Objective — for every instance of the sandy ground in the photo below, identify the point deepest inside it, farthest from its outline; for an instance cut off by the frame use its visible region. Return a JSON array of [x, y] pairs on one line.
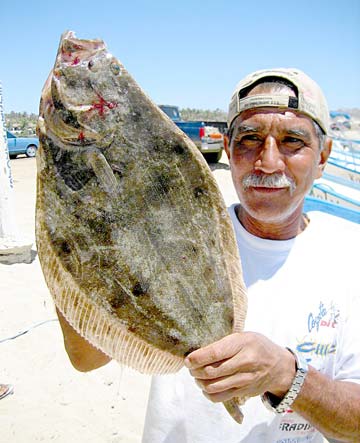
[[51, 400]]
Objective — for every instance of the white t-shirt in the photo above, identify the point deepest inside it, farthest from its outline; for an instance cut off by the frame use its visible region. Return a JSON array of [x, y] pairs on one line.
[[303, 293]]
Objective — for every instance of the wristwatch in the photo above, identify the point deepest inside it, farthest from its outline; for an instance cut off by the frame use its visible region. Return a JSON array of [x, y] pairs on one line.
[[280, 406]]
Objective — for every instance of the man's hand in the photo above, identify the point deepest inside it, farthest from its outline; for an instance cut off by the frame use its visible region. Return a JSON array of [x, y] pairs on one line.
[[242, 365]]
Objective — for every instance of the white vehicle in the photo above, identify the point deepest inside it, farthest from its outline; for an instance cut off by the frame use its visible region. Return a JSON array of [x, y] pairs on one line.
[[212, 144]]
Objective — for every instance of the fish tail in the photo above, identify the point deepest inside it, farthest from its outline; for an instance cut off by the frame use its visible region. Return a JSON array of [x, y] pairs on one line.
[[233, 408]]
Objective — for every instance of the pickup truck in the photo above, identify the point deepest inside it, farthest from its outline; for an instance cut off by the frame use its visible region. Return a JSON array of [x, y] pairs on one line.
[[21, 145], [207, 138]]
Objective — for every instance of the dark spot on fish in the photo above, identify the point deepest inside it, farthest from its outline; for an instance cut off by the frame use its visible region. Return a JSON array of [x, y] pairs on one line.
[[158, 186], [70, 118], [100, 226], [74, 179], [64, 246], [136, 116], [70, 168], [64, 251], [179, 149], [199, 192], [174, 340], [164, 182], [167, 146], [118, 300], [131, 328], [58, 105], [140, 289]]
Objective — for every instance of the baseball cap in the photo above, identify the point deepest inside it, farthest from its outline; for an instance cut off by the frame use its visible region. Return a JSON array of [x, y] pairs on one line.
[[309, 100]]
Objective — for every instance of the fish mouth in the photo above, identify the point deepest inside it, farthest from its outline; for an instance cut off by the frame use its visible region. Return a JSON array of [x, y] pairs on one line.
[[72, 49], [68, 113]]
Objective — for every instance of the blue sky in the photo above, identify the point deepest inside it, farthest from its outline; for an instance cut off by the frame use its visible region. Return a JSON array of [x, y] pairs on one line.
[[188, 53]]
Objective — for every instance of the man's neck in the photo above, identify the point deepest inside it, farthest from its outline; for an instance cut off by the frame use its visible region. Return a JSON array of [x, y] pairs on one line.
[[282, 230]]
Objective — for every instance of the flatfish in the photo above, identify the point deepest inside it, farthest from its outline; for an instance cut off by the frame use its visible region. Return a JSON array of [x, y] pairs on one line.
[[133, 236]]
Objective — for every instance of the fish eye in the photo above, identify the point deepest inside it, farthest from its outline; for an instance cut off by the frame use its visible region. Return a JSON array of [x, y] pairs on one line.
[[90, 64], [115, 68]]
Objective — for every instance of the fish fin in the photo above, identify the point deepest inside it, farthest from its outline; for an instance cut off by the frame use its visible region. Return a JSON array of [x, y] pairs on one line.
[[98, 163], [233, 408]]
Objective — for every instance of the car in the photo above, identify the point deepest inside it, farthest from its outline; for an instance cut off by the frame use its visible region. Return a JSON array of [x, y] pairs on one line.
[[212, 144], [208, 139], [21, 145]]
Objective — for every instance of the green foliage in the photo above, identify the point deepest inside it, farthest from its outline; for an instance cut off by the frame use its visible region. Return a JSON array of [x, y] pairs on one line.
[[21, 124]]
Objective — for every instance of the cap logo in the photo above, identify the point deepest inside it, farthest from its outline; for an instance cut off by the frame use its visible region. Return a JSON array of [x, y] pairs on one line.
[[258, 101]]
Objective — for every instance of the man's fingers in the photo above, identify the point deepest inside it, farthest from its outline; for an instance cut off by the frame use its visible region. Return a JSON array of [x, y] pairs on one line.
[[222, 368], [208, 372], [214, 353], [216, 386]]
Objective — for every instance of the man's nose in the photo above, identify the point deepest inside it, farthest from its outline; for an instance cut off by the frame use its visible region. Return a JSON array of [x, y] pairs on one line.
[[270, 158]]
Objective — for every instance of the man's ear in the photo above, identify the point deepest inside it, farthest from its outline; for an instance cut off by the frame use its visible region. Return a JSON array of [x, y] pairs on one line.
[[324, 155], [227, 146]]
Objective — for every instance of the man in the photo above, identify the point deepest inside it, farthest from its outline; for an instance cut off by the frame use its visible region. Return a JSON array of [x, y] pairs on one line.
[[301, 349], [298, 360]]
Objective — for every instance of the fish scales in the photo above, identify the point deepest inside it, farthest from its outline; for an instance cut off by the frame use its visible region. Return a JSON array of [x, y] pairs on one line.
[[134, 239]]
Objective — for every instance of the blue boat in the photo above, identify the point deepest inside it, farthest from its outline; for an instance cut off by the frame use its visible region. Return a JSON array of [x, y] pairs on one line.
[[338, 190], [316, 204]]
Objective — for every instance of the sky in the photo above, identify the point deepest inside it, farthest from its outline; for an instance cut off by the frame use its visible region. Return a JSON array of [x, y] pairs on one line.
[[188, 53]]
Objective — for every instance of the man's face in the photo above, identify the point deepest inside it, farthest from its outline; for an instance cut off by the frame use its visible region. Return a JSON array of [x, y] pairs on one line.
[[269, 141]]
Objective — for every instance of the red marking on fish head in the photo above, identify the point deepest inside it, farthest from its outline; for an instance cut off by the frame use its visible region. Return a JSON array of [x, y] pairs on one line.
[[102, 104], [81, 137]]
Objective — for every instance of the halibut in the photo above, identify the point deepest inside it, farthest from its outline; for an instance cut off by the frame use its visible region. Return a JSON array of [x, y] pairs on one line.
[[133, 236]]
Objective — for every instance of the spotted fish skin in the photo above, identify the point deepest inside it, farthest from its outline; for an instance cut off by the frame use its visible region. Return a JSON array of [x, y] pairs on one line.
[[133, 236]]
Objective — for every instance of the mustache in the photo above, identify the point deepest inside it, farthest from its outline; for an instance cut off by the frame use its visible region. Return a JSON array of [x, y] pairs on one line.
[[276, 180]]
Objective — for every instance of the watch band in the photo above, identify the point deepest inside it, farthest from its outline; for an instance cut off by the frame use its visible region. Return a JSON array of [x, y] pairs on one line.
[[295, 388]]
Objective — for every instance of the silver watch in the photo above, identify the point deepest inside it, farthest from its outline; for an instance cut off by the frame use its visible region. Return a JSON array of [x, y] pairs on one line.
[[269, 400]]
